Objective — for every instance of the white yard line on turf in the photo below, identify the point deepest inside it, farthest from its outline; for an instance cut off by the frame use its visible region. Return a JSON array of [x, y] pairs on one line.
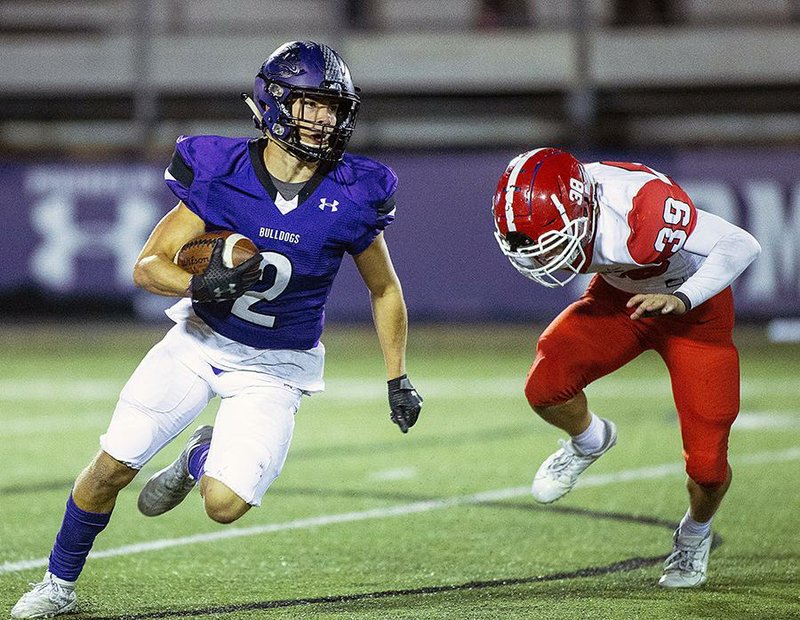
[[646, 473], [98, 419], [25, 389], [367, 388], [55, 423]]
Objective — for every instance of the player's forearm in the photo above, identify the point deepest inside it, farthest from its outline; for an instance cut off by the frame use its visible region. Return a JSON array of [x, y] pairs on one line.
[[391, 324], [729, 257], [161, 277]]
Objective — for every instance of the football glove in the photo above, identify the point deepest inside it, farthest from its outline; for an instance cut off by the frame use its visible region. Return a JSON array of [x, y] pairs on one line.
[[221, 283], [405, 403]]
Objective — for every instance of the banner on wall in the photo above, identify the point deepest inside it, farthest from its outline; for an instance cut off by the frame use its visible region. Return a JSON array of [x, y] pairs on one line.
[[73, 232]]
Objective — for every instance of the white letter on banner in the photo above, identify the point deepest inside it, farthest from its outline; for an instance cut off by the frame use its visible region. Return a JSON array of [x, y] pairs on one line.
[[53, 216], [713, 197], [778, 231]]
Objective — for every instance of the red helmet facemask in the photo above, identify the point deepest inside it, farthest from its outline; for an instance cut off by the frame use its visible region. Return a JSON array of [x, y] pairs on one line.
[[544, 215]]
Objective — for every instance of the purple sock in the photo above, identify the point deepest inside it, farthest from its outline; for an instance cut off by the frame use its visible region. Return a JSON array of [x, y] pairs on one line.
[[74, 540], [197, 460]]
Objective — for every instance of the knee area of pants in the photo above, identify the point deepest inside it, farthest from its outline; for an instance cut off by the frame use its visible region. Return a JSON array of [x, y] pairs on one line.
[[542, 393], [533, 391], [710, 484], [245, 479], [707, 475], [130, 435]]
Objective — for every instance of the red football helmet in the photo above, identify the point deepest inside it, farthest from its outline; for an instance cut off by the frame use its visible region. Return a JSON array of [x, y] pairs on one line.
[[544, 215]]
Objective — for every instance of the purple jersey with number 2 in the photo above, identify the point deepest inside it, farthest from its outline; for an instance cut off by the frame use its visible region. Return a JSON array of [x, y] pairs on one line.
[[341, 209]]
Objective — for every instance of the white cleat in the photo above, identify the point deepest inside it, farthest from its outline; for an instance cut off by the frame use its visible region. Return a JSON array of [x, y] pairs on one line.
[[50, 597], [687, 565], [170, 486], [559, 473]]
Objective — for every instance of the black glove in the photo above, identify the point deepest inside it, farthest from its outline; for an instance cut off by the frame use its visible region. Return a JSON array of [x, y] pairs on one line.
[[221, 283], [404, 402]]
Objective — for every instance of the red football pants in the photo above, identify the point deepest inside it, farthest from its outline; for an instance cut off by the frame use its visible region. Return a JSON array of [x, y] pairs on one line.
[[595, 335]]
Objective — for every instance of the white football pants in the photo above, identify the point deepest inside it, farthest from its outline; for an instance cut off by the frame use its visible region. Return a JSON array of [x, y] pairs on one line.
[[168, 391]]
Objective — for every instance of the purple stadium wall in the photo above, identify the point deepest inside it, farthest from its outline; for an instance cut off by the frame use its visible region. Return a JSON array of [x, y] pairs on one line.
[[74, 230]]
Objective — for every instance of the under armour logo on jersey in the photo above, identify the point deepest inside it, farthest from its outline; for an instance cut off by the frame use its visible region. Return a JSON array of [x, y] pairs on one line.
[[334, 204]]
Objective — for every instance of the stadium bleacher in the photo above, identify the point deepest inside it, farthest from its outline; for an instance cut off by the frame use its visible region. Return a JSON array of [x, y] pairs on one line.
[[118, 75]]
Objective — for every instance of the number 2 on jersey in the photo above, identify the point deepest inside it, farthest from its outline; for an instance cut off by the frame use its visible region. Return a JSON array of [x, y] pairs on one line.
[[676, 213], [283, 272]]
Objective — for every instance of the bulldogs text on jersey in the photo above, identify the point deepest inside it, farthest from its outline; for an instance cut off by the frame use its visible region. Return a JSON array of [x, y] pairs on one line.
[[341, 209]]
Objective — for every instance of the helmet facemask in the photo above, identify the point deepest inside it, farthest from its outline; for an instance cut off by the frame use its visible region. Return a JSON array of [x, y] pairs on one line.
[[554, 259], [309, 140], [556, 256]]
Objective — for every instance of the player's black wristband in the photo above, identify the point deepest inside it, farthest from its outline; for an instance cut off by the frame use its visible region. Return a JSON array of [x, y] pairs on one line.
[[399, 383], [684, 299]]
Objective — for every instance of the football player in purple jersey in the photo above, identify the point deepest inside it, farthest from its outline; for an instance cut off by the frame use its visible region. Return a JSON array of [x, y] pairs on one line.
[[250, 333]]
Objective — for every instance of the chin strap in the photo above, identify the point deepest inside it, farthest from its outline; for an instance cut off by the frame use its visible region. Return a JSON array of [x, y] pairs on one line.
[[258, 119]]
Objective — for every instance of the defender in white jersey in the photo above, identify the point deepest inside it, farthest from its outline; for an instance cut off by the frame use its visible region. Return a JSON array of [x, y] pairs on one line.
[[663, 273]]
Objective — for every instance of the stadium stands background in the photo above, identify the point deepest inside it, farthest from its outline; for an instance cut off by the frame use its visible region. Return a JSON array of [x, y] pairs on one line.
[[93, 94]]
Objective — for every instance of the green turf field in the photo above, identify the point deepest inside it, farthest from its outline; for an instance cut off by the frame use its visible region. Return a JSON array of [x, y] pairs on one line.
[[365, 522]]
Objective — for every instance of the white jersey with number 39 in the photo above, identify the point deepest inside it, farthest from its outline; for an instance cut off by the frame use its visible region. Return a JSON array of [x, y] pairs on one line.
[[644, 222]]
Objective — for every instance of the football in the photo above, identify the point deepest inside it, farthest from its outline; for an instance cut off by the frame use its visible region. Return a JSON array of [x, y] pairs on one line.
[[195, 254]]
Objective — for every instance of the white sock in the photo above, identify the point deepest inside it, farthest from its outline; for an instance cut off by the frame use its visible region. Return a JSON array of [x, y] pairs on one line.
[[690, 527], [591, 440]]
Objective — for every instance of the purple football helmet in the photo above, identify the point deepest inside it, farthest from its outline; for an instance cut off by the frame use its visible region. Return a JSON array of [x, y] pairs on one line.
[[295, 71]]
